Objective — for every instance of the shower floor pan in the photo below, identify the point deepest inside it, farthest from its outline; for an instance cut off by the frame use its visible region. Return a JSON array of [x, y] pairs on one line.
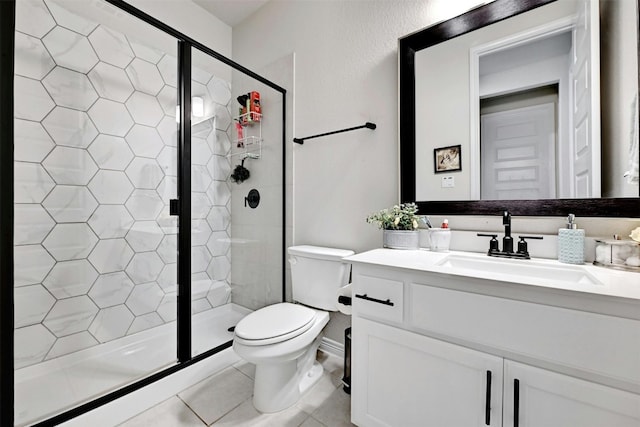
[[53, 386]]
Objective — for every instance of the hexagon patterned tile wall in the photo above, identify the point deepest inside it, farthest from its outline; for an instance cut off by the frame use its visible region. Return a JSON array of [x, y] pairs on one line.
[[70, 49], [32, 264], [31, 142], [111, 152], [68, 165], [70, 127], [70, 89], [35, 342], [95, 167], [31, 224], [111, 82], [70, 203], [33, 102], [36, 61]]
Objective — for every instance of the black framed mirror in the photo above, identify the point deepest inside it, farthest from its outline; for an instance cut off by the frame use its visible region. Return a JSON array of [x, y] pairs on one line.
[[475, 19]]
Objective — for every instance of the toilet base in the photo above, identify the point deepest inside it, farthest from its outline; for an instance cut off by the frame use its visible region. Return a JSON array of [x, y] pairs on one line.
[[278, 386], [311, 377]]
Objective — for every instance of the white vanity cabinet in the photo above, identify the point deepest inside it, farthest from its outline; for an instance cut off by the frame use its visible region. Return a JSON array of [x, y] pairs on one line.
[[405, 379], [430, 349], [546, 398]]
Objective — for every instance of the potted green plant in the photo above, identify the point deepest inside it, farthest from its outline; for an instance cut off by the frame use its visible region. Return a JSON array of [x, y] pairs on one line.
[[399, 225]]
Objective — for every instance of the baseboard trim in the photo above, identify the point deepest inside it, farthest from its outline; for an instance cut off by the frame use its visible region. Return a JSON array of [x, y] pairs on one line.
[[332, 347]]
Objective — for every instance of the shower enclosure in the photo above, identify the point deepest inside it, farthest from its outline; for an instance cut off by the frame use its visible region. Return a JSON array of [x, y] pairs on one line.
[[134, 250]]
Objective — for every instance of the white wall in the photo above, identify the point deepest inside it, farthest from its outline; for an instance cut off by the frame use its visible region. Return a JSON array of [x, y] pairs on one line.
[[346, 74], [193, 21]]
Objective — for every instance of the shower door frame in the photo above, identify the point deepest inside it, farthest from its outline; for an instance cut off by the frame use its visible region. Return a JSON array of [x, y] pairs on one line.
[[184, 356], [7, 38]]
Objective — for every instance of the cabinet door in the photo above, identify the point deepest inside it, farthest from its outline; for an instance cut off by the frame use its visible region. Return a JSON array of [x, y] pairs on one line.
[[404, 379], [535, 397]]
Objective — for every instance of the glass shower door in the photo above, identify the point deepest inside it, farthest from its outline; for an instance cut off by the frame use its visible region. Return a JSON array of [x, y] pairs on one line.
[[95, 167], [212, 312], [237, 199]]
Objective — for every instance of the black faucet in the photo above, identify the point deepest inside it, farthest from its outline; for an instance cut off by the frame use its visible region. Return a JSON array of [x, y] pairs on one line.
[[507, 242]]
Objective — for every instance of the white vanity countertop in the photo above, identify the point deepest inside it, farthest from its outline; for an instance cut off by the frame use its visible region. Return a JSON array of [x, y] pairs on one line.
[[602, 281]]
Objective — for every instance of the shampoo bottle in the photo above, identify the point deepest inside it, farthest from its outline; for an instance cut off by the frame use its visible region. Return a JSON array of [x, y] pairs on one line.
[[571, 243]]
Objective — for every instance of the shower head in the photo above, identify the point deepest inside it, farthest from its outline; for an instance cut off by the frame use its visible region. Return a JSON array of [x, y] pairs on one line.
[[251, 156]]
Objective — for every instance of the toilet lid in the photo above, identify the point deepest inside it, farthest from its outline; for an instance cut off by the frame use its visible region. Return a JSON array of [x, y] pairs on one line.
[[283, 320]]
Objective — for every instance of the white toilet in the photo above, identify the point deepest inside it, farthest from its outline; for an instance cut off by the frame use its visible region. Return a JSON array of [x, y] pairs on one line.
[[282, 339]]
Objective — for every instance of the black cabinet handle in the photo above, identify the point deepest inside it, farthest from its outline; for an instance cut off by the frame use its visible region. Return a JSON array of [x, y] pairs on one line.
[[516, 402], [487, 401], [379, 301]]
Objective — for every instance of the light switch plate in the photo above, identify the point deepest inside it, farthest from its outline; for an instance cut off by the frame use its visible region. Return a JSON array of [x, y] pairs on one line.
[[448, 181]]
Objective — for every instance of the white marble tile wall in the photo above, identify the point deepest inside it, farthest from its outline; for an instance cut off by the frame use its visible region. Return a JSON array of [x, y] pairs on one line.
[[96, 164]]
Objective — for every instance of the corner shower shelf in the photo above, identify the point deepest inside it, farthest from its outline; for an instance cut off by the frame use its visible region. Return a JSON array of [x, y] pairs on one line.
[[250, 145], [198, 120]]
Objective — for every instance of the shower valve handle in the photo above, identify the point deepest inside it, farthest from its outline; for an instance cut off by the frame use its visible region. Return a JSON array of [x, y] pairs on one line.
[[253, 199]]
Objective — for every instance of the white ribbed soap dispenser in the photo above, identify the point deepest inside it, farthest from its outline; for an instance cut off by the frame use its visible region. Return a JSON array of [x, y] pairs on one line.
[[571, 243]]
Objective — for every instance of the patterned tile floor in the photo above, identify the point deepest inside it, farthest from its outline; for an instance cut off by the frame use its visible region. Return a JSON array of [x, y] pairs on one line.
[[224, 400]]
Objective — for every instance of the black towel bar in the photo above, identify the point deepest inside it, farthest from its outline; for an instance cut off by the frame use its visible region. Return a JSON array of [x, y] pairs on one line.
[[367, 125]]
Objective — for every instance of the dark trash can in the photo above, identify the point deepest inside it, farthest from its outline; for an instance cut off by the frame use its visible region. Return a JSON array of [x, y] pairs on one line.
[[346, 378]]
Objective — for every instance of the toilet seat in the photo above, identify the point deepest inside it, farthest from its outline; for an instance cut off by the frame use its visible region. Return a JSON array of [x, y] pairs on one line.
[[275, 323]]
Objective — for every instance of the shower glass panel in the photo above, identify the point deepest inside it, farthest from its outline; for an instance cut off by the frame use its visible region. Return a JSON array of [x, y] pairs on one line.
[[95, 167], [236, 256]]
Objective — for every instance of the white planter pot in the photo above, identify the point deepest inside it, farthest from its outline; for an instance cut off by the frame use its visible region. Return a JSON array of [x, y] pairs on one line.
[[400, 239]]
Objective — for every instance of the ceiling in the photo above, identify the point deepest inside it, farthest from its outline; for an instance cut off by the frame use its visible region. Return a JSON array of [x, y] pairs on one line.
[[231, 12]]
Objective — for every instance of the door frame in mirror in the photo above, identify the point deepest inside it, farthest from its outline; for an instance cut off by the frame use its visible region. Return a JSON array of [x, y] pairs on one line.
[[465, 23]]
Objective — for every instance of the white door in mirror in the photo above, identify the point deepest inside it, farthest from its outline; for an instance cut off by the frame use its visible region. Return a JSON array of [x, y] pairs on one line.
[[518, 154]]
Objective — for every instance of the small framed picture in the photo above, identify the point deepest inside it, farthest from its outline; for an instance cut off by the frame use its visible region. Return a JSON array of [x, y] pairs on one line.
[[447, 159]]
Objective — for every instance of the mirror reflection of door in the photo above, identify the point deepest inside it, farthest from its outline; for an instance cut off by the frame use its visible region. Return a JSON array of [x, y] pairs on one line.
[[559, 57], [518, 153], [513, 84], [585, 79]]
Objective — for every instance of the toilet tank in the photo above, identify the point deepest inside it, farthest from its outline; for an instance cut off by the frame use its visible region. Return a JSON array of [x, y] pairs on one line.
[[316, 275]]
